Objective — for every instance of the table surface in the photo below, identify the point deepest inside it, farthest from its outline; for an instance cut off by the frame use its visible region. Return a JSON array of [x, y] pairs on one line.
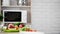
[[8, 33], [31, 32], [22, 33]]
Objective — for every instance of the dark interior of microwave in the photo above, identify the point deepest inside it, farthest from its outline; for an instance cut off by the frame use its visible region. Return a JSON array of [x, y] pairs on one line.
[[12, 16]]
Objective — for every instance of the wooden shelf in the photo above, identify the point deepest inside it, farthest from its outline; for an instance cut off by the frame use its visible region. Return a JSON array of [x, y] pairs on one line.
[[17, 6], [14, 22]]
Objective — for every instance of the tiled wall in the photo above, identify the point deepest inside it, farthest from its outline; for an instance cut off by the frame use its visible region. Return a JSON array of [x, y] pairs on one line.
[[46, 16]]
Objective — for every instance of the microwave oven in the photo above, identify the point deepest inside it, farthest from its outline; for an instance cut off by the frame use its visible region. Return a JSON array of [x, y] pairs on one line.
[[12, 16]]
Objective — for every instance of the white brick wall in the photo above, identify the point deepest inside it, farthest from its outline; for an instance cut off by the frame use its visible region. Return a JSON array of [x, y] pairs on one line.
[[46, 16]]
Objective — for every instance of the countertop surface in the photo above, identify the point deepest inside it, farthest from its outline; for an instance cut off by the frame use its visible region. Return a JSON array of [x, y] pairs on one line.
[[9, 33], [22, 33]]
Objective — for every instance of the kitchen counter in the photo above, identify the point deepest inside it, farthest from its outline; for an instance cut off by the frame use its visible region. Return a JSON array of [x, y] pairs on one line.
[[9, 33], [31, 32], [23, 33]]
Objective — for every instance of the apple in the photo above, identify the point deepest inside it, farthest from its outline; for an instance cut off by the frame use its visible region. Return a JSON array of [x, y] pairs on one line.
[[11, 26], [21, 25]]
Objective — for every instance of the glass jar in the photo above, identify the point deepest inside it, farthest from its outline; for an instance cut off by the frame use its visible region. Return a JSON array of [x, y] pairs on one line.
[[20, 3], [24, 2]]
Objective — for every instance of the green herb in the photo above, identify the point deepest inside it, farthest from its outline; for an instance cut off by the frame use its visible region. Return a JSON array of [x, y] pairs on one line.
[[1, 17]]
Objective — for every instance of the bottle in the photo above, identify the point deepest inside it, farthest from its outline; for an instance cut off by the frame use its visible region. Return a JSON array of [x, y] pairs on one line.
[[24, 2], [20, 3]]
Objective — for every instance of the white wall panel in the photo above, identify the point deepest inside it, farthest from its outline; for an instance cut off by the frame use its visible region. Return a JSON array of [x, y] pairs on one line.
[[46, 16]]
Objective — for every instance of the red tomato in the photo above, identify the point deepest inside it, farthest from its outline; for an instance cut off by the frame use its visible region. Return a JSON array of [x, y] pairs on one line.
[[21, 25]]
